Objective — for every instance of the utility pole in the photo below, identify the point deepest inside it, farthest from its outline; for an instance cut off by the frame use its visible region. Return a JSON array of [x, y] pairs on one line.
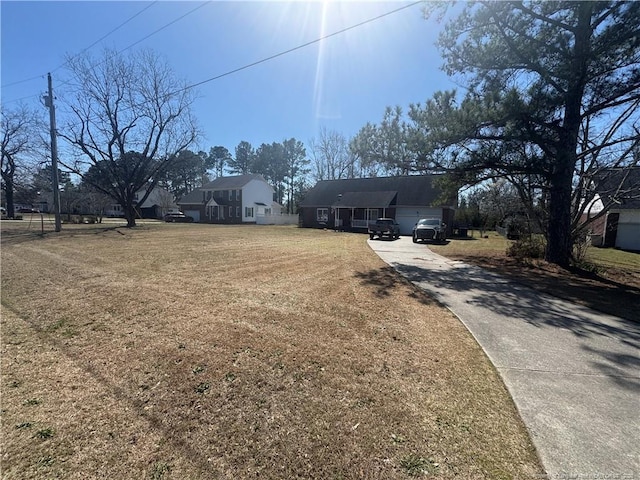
[[48, 101]]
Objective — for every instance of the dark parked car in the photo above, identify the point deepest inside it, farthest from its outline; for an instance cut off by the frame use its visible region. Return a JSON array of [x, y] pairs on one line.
[[28, 210], [177, 217], [430, 229], [384, 226]]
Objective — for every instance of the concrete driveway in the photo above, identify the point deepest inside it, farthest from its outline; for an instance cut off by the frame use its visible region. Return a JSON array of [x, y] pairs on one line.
[[573, 373]]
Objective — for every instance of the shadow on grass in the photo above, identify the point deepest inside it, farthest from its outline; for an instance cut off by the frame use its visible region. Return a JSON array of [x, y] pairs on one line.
[[583, 288], [156, 421], [499, 295], [17, 236], [464, 239], [386, 279]]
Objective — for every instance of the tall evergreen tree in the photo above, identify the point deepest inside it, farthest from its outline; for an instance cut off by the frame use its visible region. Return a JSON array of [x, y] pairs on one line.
[[244, 159], [553, 97]]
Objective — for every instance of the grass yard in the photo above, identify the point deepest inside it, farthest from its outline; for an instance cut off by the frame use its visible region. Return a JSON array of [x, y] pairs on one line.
[[186, 351], [613, 288]]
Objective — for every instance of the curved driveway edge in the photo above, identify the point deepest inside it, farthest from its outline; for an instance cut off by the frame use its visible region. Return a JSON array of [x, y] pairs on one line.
[[573, 373]]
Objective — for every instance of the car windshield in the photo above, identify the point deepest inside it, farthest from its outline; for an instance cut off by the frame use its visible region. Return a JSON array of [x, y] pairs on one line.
[[429, 221]]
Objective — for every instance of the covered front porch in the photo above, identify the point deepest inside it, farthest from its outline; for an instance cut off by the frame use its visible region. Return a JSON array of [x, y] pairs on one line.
[[355, 210], [214, 211]]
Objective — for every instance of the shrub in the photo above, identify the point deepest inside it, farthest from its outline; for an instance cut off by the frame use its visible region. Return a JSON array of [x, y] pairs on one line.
[[527, 248]]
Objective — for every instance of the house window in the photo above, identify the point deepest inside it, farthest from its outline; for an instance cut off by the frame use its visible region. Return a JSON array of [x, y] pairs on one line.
[[267, 211], [209, 195], [230, 212], [373, 213], [322, 214], [248, 212], [238, 212], [238, 194]]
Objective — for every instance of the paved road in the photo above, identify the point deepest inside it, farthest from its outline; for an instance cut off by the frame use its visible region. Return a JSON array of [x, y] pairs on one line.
[[573, 373]]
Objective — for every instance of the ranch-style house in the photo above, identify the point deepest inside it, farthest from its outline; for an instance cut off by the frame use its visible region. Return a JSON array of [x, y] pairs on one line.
[[350, 204]]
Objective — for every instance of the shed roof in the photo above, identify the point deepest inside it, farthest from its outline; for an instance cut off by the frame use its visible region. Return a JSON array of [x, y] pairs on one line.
[[412, 190]]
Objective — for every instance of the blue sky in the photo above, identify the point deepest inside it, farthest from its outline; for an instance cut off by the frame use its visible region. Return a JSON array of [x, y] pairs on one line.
[[340, 83]]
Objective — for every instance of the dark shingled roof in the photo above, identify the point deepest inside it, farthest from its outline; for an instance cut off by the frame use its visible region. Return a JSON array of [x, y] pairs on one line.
[[621, 186], [220, 183], [365, 199], [412, 190]]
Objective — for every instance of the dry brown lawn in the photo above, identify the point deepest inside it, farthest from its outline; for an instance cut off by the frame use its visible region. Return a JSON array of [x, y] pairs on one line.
[[614, 287], [192, 351]]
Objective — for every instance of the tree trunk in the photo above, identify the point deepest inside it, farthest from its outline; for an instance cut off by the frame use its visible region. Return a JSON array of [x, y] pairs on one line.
[[130, 215], [8, 193], [559, 241]]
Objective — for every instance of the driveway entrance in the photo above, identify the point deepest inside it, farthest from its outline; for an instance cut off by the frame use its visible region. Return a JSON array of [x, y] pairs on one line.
[[573, 373]]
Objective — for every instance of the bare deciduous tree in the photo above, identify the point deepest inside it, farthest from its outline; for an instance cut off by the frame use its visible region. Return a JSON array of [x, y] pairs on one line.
[[130, 116], [332, 158], [21, 130]]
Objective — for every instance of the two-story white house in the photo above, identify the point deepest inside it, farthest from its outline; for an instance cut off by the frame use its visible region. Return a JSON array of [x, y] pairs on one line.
[[235, 199]]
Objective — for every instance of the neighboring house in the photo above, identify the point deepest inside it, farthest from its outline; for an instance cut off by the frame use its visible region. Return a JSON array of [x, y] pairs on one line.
[[237, 199], [156, 205], [351, 204], [618, 192]]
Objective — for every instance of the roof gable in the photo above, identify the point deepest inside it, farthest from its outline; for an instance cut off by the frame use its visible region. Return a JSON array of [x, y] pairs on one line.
[[620, 187], [412, 190], [236, 182], [230, 183]]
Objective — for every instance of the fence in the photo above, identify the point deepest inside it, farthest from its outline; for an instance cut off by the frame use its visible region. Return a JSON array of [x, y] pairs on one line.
[[284, 219]]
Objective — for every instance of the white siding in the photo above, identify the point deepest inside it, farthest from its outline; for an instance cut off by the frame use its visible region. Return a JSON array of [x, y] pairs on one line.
[[407, 217], [255, 191], [628, 237]]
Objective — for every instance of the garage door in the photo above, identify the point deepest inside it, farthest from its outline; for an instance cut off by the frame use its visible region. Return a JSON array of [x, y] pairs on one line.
[[407, 218], [628, 237], [195, 214]]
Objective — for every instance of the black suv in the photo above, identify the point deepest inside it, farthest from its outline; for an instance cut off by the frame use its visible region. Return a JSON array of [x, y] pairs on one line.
[[430, 229]]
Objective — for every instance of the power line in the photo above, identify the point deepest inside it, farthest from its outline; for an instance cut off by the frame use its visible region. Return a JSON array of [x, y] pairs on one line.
[[285, 52], [144, 38], [318, 40], [106, 35], [271, 57], [85, 49], [164, 26]]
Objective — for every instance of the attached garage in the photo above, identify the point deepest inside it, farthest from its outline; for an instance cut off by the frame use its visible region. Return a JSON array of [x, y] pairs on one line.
[[618, 191], [408, 217], [351, 203], [195, 214], [628, 236]]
